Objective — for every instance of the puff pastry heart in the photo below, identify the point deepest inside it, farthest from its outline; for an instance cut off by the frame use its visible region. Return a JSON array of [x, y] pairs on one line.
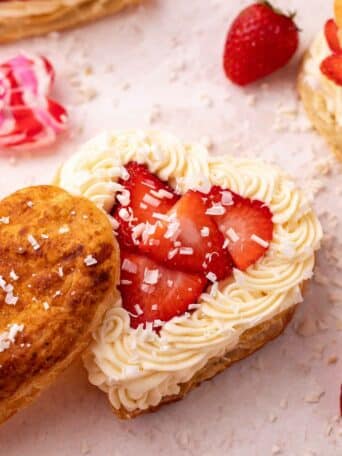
[[57, 277]]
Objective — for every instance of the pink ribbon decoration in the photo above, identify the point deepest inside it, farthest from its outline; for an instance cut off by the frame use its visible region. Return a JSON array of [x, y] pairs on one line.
[[29, 119]]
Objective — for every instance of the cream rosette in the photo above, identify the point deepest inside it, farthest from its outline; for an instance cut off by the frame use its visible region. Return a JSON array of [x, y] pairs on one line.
[[137, 367]]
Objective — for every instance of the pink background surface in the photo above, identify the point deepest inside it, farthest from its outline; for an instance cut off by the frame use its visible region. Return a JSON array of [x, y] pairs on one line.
[[160, 66]]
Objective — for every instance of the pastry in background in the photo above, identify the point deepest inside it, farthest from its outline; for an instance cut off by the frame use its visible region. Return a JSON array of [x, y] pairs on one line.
[[29, 118], [25, 18], [58, 276], [215, 252], [320, 82]]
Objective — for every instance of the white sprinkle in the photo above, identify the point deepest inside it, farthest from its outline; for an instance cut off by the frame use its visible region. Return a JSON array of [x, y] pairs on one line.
[[159, 216], [126, 282], [46, 305], [212, 277], [124, 214], [162, 193], [233, 236], [129, 266], [58, 293], [194, 306], [259, 241], [172, 229], [225, 243], [216, 209], [64, 229], [90, 260], [169, 283], [124, 174], [10, 299], [8, 337], [137, 231], [186, 251], [124, 197], [154, 307], [148, 199], [205, 231], [143, 206], [13, 275], [172, 253], [60, 272], [44, 236], [157, 323], [33, 241], [151, 276], [138, 309], [29, 203], [226, 198], [5, 220]]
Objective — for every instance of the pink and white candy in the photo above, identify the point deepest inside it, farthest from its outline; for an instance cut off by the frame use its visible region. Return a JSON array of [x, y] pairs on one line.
[[29, 119]]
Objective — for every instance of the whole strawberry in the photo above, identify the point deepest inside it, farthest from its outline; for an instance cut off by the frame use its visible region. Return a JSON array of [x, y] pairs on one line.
[[260, 40]]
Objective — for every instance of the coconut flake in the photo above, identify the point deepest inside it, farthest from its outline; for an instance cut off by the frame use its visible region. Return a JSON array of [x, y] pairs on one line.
[[138, 309], [90, 260], [46, 305], [216, 209], [233, 236], [8, 337], [10, 299], [212, 277], [186, 251], [260, 241], [129, 266], [151, 276], [226, 198], [33, 241], [205, 231], [162, 193], [172, 229], [149, 199], [172, 253], [124, 197], [5, 220], [13, 275], [64, 229]]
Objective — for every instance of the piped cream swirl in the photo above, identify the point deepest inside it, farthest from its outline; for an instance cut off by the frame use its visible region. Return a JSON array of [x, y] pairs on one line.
[[322, 86], [137, 368]]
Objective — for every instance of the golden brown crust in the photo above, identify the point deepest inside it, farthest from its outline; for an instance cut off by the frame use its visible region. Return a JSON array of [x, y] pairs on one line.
[[61, 298], [250, 341], [64, 18], [319, 115], [338, 12]]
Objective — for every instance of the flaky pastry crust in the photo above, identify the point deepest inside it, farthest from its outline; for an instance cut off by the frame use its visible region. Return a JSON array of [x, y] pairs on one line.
[[59, 254], [64, 17]]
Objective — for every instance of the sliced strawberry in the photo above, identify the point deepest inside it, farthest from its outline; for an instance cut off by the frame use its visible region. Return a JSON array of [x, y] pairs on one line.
[[189, 239], [148, 195], [152, 293], [248, 226], [331, 67], [331, 35]]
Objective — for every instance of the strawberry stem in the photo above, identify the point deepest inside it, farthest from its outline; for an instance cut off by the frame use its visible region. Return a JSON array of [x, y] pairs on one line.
[[290, 14]]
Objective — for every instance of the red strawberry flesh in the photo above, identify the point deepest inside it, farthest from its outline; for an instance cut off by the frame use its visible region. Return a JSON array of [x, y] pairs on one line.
[[331, 35], [331, 67], [153, 293], [189, 240], [147, 195], [248, 226]]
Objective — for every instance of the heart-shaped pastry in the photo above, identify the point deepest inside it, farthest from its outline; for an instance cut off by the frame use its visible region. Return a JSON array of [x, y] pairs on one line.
[[57, 277], [320, 81], [215, 252], [29, 118]]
